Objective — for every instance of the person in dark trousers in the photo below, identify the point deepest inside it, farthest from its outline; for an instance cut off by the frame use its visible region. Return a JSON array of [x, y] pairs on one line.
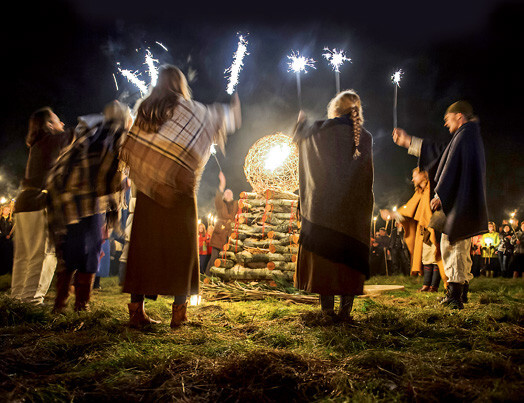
[[458, 171], [400, 260], [85, 187]]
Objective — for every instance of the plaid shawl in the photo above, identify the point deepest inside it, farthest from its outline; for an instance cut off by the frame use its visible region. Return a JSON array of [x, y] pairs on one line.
[[85, 179], [171, 161]]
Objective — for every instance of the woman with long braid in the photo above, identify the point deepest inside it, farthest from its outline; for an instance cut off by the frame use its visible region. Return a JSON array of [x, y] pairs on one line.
[[336, 203]]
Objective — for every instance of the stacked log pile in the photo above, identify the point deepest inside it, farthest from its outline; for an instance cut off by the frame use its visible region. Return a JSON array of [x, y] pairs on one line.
[[264, 241]]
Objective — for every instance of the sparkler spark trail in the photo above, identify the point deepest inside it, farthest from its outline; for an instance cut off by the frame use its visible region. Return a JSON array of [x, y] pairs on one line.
[[299, 63], [336, 58], [161, 45], [152, 69], [236, 67], [132, 77]]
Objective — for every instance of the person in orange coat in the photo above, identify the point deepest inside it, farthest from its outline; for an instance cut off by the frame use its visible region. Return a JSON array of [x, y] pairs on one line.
[[414, 217]]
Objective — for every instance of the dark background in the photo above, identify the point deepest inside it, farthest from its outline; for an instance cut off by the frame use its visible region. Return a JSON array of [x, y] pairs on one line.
[[64, 53]]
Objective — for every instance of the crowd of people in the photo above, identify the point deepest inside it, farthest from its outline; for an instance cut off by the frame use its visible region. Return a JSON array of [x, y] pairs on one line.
[[117, 194], [493, 254]]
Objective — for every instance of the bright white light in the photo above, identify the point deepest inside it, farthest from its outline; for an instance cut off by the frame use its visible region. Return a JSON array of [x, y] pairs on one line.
[[213, 149], [276, 156], [132, 77], [152, 69], [300, 63], [195, 300], [3, 200], [236, 67], [335, 58], [396, 77], [162, 46]]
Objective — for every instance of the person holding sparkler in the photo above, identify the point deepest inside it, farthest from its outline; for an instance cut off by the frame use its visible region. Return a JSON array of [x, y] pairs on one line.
[[457, 173], [33, 269], [226, 208], [421, 240], [336, 203], [85, 188], [166, 151]]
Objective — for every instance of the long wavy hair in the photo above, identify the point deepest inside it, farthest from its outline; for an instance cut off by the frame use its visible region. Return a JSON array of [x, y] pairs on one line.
[[159, 106], [38, 125], [344, 103]]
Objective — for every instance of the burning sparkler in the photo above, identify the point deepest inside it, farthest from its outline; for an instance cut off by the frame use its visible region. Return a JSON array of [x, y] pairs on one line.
[[236, 67], [396, 80], [214, 153], [134, 76], [298, 64], [152, 69], [336, 58]]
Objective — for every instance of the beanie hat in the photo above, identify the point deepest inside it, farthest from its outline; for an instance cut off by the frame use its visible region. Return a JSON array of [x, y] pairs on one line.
[[463, 107]]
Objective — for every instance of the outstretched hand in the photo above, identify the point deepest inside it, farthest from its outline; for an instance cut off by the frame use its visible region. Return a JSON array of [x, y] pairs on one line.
[[222, 179], [401, 138]]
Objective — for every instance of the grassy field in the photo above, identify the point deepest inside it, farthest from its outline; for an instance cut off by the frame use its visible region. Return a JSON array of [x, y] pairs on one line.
[[402, 347]]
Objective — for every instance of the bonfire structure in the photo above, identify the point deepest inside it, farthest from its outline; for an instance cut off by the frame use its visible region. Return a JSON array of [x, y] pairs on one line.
[[264, 241]]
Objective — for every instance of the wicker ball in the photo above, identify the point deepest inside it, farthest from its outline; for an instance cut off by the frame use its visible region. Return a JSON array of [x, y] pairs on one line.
[[272, 163]]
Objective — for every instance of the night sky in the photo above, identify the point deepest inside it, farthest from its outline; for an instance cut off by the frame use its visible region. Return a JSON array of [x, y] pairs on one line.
[[63, 54]]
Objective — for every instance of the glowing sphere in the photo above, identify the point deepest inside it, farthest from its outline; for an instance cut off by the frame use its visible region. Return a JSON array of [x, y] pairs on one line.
[[272, 163]]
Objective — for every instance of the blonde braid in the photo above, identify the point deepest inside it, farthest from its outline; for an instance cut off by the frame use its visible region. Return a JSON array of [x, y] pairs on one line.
[[357, 121]]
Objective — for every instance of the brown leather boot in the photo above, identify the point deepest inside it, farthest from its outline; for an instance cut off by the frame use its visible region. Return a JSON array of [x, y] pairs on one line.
[[425, 288], [83, 287], [63, 288], [433, 289], [138, 317], [179, 315]]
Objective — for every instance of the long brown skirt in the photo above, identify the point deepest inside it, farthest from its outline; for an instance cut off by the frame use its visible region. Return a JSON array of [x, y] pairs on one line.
[[163, 249], [319, 275]]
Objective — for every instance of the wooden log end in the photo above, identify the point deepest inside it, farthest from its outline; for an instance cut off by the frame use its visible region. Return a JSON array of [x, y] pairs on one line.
[[294, 258], [271, 265], [271, 234]]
